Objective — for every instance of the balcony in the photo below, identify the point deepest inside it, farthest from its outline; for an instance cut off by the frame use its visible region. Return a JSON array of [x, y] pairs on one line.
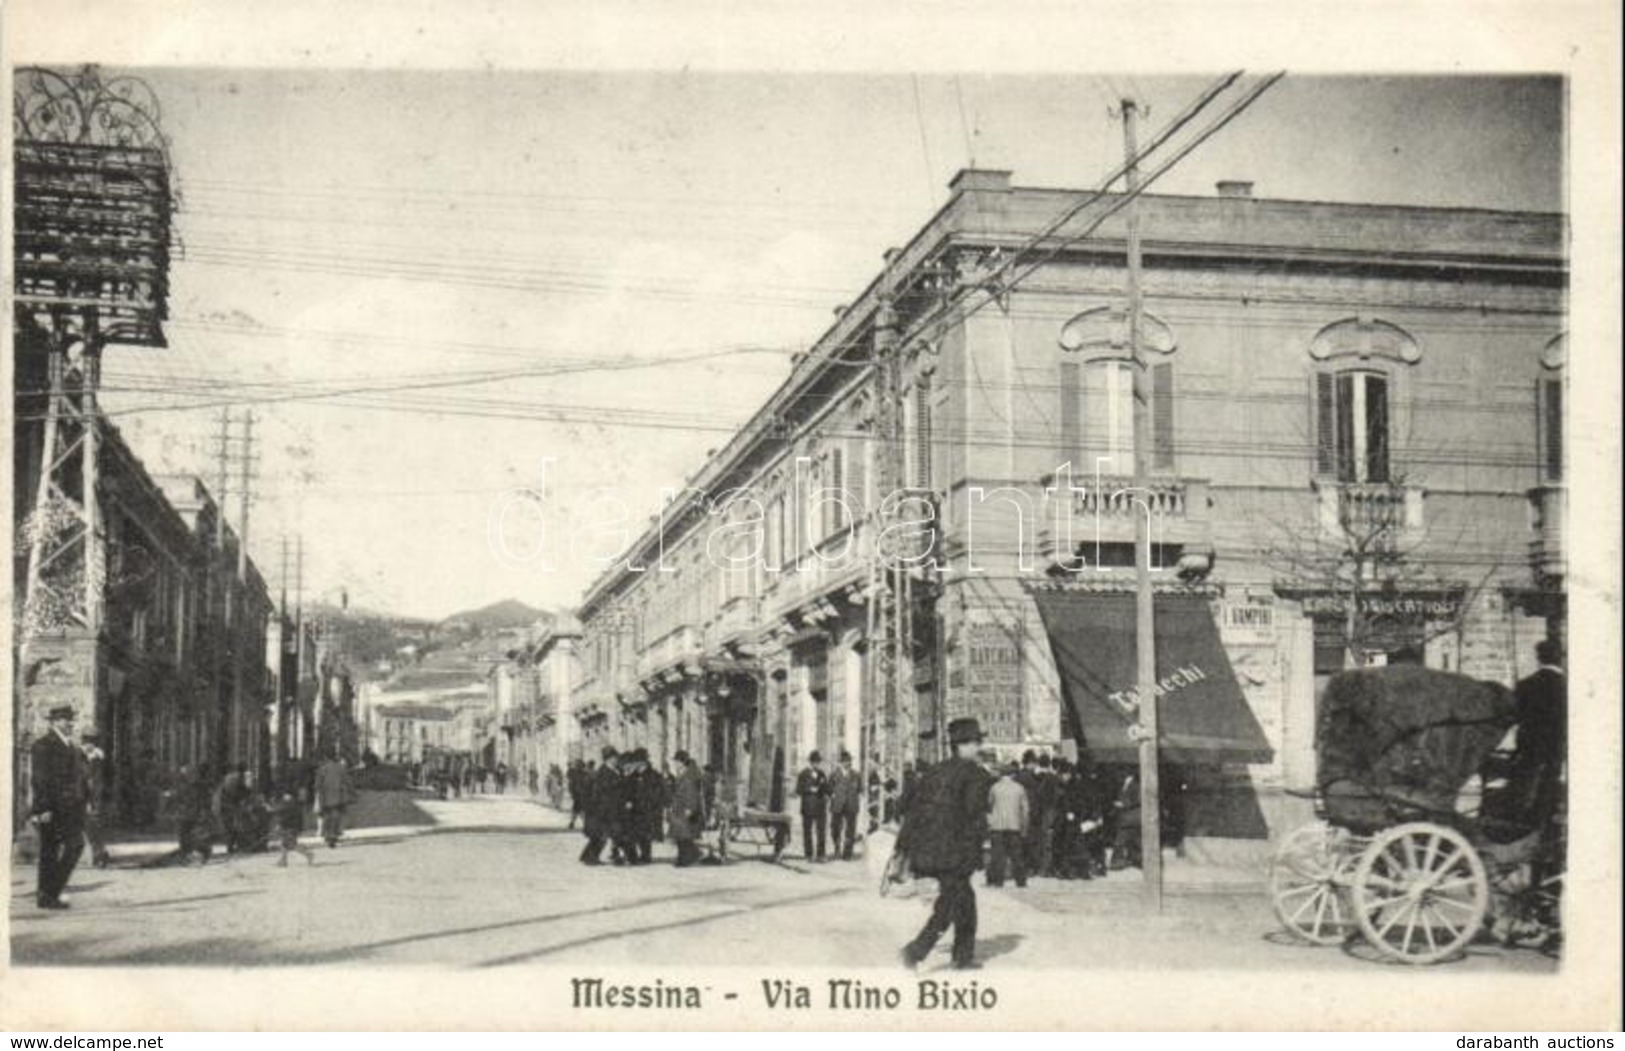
[[1103, 510], [674, 647], [737, 615], [1372, 514], [1548, 520]]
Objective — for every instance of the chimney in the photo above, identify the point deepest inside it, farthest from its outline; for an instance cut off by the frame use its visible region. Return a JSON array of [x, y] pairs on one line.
[[1235, 188], [991, 180]]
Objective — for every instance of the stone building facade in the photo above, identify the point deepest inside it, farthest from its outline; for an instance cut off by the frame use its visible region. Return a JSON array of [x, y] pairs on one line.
[[1355, 416]]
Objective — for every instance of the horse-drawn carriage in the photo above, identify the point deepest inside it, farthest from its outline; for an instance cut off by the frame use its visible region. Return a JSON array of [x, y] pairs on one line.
[[1427, 836]]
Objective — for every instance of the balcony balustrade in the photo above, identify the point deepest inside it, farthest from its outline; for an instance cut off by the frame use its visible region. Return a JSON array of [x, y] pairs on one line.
[[1103, 510]]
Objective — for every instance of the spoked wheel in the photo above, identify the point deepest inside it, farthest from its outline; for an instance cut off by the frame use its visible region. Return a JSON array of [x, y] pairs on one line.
[[1420, 893], [1309, 896]]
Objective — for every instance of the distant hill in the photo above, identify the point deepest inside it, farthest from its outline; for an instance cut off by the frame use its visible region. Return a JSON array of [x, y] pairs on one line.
[[509, 613]]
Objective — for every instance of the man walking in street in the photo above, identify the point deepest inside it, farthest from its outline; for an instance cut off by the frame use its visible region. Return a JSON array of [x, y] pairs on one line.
[[1007, 819], [334, 795], [575, 780], [601, 811], [812, 785], [687, 804], [944, 825], [844, 797], [60, 796]]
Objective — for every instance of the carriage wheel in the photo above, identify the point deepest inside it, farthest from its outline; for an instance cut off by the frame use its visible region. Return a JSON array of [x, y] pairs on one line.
[[1309, 898], [1420, 892]]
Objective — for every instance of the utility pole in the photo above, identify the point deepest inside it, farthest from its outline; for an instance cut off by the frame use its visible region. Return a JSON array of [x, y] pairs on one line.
[[246, 495], [283, 746], [306, 731], [885, 591], [1144, 605], [222, 472]]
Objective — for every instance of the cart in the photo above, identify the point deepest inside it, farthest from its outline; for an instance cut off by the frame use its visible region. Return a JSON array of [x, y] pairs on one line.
[[1420, 845]]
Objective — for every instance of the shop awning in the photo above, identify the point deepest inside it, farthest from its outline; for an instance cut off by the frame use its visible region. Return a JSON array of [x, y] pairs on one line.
[[1202, 715]]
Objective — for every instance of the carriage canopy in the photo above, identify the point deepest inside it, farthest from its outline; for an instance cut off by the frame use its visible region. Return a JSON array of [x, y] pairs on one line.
[[1405, 736]]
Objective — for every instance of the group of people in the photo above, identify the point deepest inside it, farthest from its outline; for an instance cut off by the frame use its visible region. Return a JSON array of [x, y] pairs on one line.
[[453, 781], [1072, 820], [830, 801], [624, 803], [67, 789]]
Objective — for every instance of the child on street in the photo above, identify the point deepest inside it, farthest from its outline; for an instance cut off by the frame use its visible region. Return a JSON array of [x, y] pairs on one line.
[[290, 821]]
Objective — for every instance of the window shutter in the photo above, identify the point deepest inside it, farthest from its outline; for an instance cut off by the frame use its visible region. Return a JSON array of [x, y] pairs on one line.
[[922, 428], [1376, 424], [1343, 415], [1162, 417], [1551, 405], [1325, 424], [835, 493], [857, 481], [1071, 408]]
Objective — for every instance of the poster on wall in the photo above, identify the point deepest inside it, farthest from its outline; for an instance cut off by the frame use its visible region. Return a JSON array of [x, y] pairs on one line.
[[990, 657]]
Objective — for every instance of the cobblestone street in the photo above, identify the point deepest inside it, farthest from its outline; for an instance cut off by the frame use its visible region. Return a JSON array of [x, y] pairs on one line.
[[493, 882]]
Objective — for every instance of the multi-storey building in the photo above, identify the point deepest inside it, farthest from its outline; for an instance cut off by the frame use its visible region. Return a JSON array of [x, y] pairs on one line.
[[176, 674], [1355, 430]]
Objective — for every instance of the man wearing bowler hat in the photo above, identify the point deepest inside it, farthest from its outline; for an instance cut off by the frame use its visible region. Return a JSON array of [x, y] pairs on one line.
[[60, 795], [945, 826]]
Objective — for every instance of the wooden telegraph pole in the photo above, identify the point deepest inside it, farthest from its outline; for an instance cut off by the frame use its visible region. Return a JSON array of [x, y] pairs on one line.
[[1144, 607]]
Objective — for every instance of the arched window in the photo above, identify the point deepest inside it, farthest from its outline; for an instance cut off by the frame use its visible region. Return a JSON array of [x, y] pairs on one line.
[[1355, 397]]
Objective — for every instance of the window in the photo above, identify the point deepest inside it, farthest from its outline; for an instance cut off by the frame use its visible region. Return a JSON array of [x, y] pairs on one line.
[[1097, 417], [1549, 410], [922, 433], [1351, 426]]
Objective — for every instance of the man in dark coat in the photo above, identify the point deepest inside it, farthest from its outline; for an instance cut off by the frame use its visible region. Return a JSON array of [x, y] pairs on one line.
[[1542, 701], [845, 796], [334, 794], [687, 809], [601, 817], [647, 797], [812, 785], [945, 825], [575, 781], [60, 796]]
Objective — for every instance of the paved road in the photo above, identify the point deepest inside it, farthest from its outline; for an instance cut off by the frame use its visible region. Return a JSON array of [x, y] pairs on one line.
[[493, 882]]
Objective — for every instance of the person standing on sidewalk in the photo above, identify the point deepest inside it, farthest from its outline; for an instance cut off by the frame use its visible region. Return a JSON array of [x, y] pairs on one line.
[[944, 825], [844, 797], [60, 795], [334, 794], [812, 785], [1007, 819], [95, 787]]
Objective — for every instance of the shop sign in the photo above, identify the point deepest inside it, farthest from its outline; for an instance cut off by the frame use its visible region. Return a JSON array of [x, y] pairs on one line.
[[992, 664], [1426, 607], [1247, 622]]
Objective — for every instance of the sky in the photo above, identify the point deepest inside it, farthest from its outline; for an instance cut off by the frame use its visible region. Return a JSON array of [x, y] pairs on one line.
[[437, 288]]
